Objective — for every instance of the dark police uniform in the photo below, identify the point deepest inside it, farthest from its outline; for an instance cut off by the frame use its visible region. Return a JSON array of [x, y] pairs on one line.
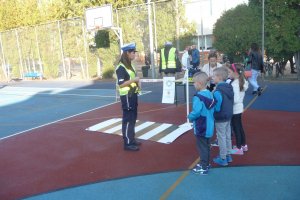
[[129, 101]]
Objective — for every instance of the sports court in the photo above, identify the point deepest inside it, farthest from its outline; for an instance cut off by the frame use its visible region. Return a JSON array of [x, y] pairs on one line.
[[47, 152]]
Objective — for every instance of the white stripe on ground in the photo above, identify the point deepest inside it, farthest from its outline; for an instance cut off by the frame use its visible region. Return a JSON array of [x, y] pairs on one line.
[[114, 129], [103, 124], [155, 131], [142, 126], [175, 134]]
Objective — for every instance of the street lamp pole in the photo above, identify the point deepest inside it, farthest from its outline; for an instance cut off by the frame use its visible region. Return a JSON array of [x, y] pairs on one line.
[[263, 29], [151, 38]]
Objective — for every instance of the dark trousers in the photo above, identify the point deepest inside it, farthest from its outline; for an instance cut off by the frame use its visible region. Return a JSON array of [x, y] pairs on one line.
[[196, 65], [203, 146], [129, 106], [128, 125], [237, 127]]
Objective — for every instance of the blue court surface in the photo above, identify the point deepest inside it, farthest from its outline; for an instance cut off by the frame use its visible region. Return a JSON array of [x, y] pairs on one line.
[[30, 105]]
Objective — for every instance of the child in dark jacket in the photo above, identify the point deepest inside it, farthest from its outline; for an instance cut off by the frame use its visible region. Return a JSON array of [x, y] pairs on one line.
[[203, 120], [223, 114]]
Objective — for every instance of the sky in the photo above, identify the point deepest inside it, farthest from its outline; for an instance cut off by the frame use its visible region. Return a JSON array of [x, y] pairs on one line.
[[195, 9]]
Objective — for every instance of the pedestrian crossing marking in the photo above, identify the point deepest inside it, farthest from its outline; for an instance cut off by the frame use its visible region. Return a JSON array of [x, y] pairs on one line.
[[146, 130]]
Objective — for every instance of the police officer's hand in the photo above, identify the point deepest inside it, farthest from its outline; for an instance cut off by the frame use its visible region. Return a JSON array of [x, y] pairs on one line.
[[136, 80]]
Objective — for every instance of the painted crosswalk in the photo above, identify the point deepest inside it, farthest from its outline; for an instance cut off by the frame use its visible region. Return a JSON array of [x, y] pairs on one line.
[[146, 130]]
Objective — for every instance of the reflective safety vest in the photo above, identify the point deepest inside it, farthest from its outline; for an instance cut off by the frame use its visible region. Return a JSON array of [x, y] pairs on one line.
[[170, 63], [133, 86]]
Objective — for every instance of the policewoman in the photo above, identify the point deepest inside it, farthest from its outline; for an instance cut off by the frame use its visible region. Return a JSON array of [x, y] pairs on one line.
[[128, 86]]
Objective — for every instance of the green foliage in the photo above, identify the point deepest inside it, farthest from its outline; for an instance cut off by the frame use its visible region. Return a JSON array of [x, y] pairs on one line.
[[108, 73], [282, 28], [239, 27], [236, 30], [16, 13]]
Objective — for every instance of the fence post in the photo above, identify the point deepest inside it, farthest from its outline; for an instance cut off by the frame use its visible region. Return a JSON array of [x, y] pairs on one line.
[[20, 54], [85, 49], [62, 50], [3, 59], [39, 54]]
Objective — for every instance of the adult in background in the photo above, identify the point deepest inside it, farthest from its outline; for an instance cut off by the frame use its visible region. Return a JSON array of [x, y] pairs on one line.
[[186, 58], [128, 85], [256, 63], [209, 68], [195, 57], [169, 60]]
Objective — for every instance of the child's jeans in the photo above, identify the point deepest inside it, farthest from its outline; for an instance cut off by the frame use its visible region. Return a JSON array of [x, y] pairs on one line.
[[224, 138], [203, 146]]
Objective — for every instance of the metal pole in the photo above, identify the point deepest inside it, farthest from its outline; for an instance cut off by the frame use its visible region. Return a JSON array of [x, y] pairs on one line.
[[85, 49], [187, 94], [263, 30], [177, 25], [39, 53], [202, 40], [20, 54], [155, 34], [3, 58], [62, 50], [117, 13], [151, 38]]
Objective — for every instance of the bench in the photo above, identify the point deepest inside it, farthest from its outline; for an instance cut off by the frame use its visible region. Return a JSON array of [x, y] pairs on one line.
[[33, 75]]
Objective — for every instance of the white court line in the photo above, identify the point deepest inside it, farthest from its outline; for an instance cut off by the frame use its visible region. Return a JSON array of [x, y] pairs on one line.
[[55, 94], [56, 121], [18, 133], [39, 89]]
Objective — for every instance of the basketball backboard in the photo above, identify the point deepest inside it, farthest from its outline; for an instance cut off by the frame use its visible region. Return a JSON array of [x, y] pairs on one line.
[[99, 17]]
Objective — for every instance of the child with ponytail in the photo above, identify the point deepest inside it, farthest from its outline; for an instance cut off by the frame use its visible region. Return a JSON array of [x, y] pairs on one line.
[[240, 85]]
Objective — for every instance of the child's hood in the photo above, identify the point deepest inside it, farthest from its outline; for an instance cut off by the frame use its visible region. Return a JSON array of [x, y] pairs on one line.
[[227, 89], [207, 98]]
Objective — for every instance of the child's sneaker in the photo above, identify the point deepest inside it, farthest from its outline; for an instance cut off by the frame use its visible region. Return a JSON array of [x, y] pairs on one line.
[[218, 160], [245, 148], [237, 151], [208, 166], [214, 143], [229, 158], [198, 170]]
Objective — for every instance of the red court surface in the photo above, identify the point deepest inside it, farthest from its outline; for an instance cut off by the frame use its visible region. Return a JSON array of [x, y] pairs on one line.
[[64, 154]]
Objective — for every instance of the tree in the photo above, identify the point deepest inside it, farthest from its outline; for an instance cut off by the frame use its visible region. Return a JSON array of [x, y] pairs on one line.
[[236, 29], [17, 13], [282, 28]]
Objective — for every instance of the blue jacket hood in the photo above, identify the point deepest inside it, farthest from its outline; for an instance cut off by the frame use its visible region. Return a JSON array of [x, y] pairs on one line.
[[208, 102]]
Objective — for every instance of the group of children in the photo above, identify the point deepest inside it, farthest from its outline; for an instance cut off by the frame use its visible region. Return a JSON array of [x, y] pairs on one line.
[[221, 110]]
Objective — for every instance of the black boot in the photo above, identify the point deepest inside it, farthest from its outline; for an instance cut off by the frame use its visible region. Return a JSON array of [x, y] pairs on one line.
[[131, 147], [137, 143]]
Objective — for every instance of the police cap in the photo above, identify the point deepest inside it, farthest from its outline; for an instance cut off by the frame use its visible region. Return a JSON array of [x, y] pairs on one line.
[[129, 47]]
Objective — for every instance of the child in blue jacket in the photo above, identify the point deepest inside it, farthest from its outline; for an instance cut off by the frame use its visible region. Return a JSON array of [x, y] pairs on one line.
[[223, 114], [202, 117]]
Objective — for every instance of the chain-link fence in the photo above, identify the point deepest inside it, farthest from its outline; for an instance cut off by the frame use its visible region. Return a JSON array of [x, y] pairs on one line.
[[52, 50], [60, 49]]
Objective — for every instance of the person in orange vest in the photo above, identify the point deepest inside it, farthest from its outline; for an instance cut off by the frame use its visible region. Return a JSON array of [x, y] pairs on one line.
[[128, 86]]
